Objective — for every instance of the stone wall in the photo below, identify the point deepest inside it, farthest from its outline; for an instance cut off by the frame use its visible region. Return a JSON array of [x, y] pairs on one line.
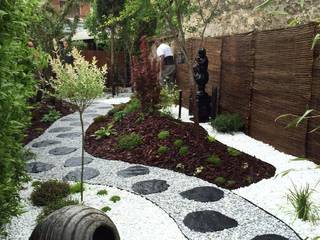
[[240, 17]]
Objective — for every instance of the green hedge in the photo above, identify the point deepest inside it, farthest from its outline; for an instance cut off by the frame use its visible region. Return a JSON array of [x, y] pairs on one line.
[[16, 86]]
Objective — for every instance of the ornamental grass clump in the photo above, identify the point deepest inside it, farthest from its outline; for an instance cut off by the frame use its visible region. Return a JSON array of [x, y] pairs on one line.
[[163, 135], [130, 141], [80, 84], [228, 123]]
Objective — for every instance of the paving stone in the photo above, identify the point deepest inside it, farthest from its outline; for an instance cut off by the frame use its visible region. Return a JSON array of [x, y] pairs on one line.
[[269, 237], [150, 186], [208, 221], [62, 150], [36, 167], [78, 124], [203, 194], [76, 161], [69, 135], [75, 175], [45, 143], [133, 171], [60, 129]]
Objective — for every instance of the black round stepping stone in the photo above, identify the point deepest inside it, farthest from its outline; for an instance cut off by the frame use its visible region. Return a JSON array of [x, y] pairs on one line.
[[77, 124], [36, 167], [69, 119], [69, 135], [60, 129], [269, 237], [45, 143], [133, 171], [75, 175], [62, 150], [203, 194], [208, 221], [150, 186], [76, 161]]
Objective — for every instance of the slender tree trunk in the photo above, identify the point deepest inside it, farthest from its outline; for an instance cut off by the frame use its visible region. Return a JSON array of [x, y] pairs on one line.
[[112, 61], [82, 153]]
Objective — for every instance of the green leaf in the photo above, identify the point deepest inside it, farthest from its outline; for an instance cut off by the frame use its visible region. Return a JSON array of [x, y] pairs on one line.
[[283, 116], [2, 13], [263, 5], [314, 130], [301, 3], [284, 173], [315, 40], [304, 116], [298, 159]]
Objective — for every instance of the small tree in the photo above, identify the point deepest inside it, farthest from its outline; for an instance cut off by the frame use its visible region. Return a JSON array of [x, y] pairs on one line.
[[80, 84]]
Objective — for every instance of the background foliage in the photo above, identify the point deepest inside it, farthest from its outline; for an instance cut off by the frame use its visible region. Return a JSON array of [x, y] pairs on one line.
[[16, 87]]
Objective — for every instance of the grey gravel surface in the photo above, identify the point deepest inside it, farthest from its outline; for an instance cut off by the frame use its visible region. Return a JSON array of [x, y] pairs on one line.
[[252, 221]]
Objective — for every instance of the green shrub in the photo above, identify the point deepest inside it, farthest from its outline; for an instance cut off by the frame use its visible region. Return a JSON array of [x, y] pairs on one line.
[[163, 150], [105, 132], [76, 188], [51, 116], [169, 95], [132, 106], [49, 191], [301, 201], [219, 180], [214, 160], [100, 119], [115, 199], [211, 139], [54, 206], [233, 152], [228, 123], [116, 108], [163, 135], [118, 116], [184, 150], [102, 192], [105, 209], [230, 183], [36, 183], [178, 143], [129, 141]]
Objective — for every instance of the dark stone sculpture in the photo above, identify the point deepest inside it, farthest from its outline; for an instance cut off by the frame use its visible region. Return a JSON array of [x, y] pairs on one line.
[[201, 76]]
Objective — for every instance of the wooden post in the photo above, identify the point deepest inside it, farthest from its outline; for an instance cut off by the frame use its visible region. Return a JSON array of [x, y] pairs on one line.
[[180, 103]]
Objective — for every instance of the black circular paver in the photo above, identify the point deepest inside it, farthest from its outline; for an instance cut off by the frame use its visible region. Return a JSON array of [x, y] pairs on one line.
[[69, 135], [36, 167], [203, 194], [77, 124], [88, 173], [76, 161], [208, 221], [133, 171], [60, 129], [45, 143], [62, 150], [150, 186], [269, 237]]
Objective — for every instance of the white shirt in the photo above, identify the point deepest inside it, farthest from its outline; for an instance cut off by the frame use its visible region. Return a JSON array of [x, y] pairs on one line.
[[164, 50]]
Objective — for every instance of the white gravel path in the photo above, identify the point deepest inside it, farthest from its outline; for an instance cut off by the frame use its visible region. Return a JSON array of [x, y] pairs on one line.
[[270, 194]]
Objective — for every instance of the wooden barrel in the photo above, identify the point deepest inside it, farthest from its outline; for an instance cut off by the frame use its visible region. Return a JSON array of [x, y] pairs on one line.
[[76, 222]]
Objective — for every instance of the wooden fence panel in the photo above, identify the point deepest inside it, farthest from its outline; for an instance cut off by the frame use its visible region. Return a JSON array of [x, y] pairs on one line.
[[236, 76], [282, 84]]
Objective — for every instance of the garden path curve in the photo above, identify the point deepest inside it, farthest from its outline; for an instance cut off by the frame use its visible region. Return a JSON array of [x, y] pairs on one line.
[[201, 210]]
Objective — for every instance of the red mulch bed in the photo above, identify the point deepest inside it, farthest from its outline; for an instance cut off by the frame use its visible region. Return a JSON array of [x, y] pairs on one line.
[[38, 127], [242, 169]]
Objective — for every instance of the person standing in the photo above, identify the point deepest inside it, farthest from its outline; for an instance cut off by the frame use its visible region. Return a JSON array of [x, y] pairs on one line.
[[167, 64]]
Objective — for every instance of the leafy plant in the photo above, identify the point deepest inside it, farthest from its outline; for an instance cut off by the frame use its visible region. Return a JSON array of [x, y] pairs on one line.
[[116, 108], [219, 180], [115, 199], [300, 199], [54, 206], [118, 116], [105, 209], [184, 150], [35, 183], [105, 132], [129, 141], [163, 135], [169, 95], [49, 191], [163, 150], [178, 143], [76, 188], [102, 192], [214, 160], [228, 123], [80, 83], [211, 139], [51, 116], [233, 152]]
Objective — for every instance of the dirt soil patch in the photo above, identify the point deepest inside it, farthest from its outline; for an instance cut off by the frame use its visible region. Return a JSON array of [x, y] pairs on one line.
[[236, 171], [37, 126]]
